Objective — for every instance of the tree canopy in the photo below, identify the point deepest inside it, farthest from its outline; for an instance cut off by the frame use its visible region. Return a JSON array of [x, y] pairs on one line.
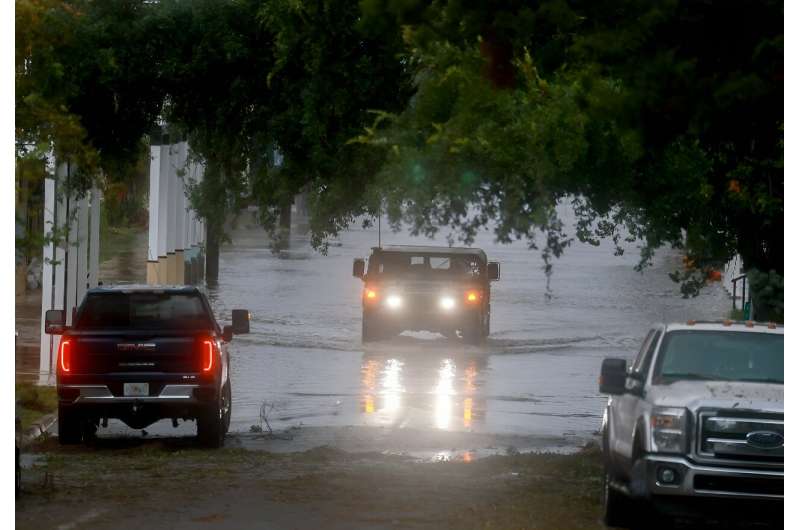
[[664, 119], [661, 121]]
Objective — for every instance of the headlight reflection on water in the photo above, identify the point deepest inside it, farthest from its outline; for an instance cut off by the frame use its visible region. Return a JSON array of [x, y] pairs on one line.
[[386, 382], [369, 373], [391, 388], [444, 392], [452, 402]]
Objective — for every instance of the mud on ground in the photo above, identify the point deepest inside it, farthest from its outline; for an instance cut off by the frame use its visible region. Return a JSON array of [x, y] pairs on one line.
[[173, 484]]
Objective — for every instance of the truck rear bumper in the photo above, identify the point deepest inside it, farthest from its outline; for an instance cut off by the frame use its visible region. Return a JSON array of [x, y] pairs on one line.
[[705, 481], [94, 402], [100, 394]]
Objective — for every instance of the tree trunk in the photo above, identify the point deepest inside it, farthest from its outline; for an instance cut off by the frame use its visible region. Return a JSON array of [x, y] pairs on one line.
[[212, 254], [284, 226]]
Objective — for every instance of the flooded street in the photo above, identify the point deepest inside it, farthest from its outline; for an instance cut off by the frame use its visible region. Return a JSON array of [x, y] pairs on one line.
[[303, 363]]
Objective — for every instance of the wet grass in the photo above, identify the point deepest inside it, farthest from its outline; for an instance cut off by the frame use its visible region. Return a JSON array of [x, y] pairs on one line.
[[33, 402], [548, 491], [736, 314], [553, 491]]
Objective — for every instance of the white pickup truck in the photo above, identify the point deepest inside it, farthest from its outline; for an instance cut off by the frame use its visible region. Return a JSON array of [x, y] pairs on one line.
[[695, 425]]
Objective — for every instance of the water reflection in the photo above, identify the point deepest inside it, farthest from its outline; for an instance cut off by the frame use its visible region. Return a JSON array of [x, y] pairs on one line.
[[444, 394], [382, 388], [442, 391]]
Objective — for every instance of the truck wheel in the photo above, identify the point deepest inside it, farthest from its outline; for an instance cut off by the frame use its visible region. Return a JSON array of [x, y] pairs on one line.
[[70, 428], [228, 406], [18, 477], [211, 426], [616, 505]]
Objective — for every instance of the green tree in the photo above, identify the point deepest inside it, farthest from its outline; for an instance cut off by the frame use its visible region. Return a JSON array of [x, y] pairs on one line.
[[86, 91], [662, 120], [329, 72]]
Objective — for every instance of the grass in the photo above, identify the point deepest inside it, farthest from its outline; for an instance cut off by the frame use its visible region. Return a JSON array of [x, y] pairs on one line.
[[553, 491], [736, 314], [33, 402]]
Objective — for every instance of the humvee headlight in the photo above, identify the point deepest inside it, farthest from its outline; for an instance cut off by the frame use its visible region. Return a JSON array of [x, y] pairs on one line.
[[447, 303], [394, 302]]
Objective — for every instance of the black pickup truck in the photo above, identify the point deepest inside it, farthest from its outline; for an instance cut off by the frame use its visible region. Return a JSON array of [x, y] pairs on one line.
[[141, 354]]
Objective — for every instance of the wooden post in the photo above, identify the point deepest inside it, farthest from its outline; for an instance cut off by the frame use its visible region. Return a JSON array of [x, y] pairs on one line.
[[82, 249], [71, 296], [94, 238], [172, 215], [163, 208], [180, 214], [53, 268], [153, 211], [46, 361]]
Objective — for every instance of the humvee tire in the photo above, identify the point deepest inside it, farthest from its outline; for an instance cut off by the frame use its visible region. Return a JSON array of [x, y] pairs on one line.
[[475, 332], [370, 330]]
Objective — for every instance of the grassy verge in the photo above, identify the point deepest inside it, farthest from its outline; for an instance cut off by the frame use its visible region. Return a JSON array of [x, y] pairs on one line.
[[553, 491], [33, 402], [736, 314]]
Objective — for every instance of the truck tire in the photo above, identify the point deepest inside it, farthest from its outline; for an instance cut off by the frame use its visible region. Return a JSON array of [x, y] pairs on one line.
[[70, 427], [228, 404], [17, 476], [616, 505], [211, 426]]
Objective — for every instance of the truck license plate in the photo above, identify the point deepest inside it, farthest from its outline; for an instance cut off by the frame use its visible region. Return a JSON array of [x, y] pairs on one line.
[[136, 389]]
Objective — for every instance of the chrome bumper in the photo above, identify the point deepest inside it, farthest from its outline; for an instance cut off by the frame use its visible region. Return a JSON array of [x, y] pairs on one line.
[[100, 394], [719, 482]]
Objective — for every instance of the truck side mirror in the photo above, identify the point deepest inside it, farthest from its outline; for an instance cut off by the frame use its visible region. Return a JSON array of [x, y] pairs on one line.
[[494, 271], [612, 376], [358, 268], [241, 321], [55, 322], [227, 333]]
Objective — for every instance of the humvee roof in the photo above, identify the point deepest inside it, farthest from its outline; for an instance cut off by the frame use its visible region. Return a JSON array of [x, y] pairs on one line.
[[420, 249]]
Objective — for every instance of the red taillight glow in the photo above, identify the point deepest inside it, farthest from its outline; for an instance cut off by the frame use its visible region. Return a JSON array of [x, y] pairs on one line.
[[64, 360], [208, 355], [473, 296]]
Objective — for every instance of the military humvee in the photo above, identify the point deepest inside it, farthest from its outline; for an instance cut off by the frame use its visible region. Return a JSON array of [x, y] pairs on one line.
[[440, 289]]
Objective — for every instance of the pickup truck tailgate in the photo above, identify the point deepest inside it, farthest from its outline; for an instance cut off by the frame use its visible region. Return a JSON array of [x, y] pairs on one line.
[[105, 354]]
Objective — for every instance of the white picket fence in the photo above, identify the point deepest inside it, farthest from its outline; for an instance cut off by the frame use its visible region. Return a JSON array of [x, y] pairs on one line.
[[734, 269]]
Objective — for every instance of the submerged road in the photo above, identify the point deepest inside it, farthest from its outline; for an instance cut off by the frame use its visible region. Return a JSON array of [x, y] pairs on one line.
[[303, 363]]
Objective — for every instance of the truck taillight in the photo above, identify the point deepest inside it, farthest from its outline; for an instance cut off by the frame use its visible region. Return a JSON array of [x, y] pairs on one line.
[[209, 352], [64, 355]]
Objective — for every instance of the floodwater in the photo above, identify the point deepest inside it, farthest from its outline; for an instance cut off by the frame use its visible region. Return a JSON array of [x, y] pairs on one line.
[[303, 363]]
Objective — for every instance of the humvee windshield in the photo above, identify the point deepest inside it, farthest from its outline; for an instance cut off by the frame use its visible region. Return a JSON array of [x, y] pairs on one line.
[[430, 266]]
